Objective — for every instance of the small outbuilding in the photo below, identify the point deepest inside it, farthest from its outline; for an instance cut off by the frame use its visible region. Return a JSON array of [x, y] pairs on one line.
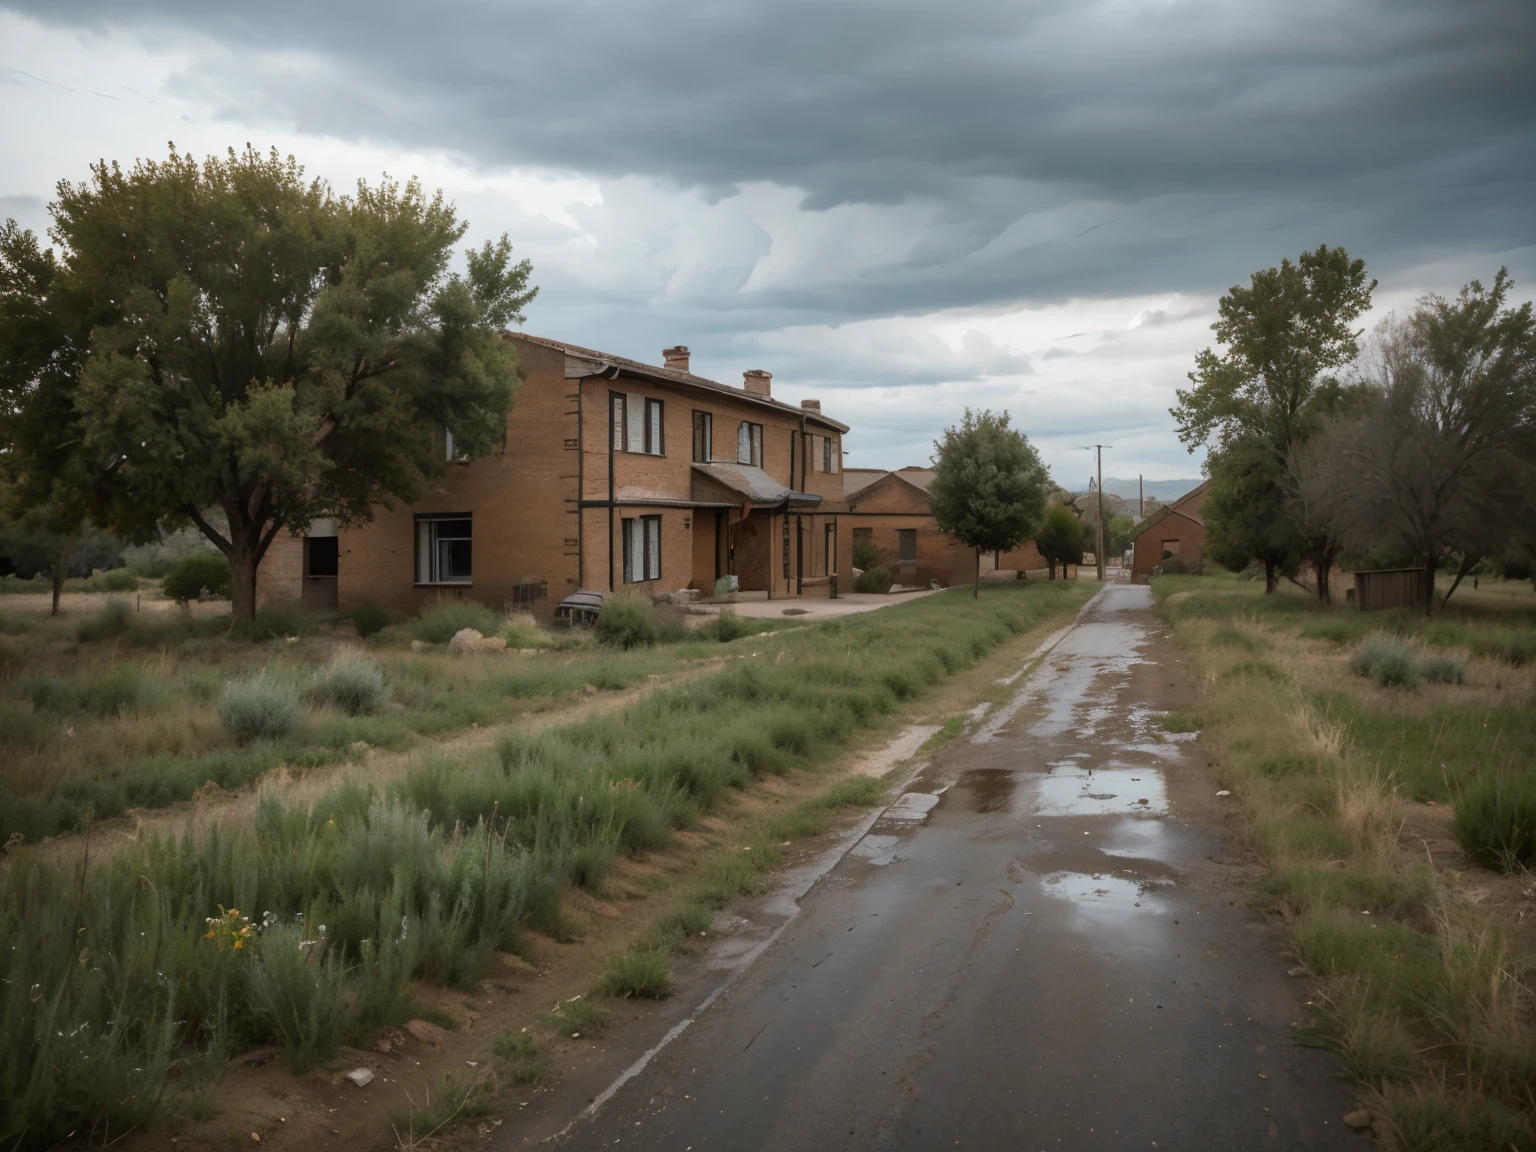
[[1174, 531]]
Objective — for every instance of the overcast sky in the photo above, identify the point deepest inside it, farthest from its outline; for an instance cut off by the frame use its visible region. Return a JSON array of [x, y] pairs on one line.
[[900, 208]]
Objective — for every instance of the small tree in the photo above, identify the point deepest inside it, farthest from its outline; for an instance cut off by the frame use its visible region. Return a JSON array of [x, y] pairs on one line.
[[1060, 538], [989, 485], [228, 335], [1245, 513]]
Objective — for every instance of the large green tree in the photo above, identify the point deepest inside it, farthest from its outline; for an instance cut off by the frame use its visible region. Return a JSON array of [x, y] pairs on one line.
[[989, 486], [1287, 335], [230, 335]]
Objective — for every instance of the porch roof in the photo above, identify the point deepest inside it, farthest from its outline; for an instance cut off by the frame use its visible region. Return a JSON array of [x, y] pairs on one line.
[[750, 483]]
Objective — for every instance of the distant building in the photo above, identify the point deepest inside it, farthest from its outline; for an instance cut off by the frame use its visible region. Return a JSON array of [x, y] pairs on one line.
[[893, 511], [1175, 530]]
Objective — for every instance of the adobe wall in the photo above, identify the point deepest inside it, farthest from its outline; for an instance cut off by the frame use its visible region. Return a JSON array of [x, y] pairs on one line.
[[1147, 548]]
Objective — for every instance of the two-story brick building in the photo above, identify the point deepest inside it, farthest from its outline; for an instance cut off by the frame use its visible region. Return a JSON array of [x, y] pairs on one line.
[[614, 475]]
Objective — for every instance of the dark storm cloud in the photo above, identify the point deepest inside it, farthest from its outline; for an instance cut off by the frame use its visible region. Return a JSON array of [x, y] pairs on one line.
[[1148, 146]]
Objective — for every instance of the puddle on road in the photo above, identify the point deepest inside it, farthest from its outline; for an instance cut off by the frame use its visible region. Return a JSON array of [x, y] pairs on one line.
[[878, 850], [989, 789], [1070, 789], [1105, 891]]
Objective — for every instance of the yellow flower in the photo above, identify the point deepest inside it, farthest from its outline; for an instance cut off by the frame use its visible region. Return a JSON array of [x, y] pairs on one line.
[[239, 943]]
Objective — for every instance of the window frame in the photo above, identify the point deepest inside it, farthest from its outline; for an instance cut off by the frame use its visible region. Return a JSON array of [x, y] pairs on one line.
[[433, 557], [650, 438], [903, 535], [705, 422], [829, 454], [650, 533], [754, 434]]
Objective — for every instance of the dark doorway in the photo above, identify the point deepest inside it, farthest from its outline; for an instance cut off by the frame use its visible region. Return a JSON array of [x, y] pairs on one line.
[[322, 565]]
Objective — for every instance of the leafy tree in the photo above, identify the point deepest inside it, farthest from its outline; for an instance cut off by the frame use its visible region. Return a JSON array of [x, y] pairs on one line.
[[1287, 335], [1059, 539], [1245, 514], [1439, 460], [230, 336], [989, 486]]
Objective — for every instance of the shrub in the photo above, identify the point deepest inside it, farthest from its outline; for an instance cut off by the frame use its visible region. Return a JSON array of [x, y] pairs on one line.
[[454, 1098], [299, 995], [1513, 646], [1388, 661], [877, 579], [119, 580], [1496, 819], [107, 622], [439, 623], [259, 709], [368, 618], [519, 1058], [626, 622], [643, 972], [352, 683], [520, 631], [197, 575], [1444, 670], [731, 627]]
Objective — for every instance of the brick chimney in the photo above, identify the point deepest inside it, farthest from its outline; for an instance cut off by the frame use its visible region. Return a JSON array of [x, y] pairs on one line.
[[811, 406], [675, 358], [757, 382]]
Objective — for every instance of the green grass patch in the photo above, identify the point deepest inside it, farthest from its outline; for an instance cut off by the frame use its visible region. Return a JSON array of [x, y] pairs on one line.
[[520, 1059], [583, 1016], [453, 1099], [1495, 820], [1179, 722], [645, 973]]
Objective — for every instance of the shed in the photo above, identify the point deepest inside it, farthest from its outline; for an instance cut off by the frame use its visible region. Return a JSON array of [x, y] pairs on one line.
[[1378, 588]]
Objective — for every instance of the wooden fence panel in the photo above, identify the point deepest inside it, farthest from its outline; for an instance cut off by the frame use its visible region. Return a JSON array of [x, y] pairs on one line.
[[1382, 588]]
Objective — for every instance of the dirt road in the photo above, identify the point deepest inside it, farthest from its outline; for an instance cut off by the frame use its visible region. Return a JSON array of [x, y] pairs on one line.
[[1042, 945]]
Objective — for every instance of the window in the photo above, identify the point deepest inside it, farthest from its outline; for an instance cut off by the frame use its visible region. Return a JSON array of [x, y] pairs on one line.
[[749, 444], [642, 549], [829, 454], [906, 545], [703, 437], [636, 424], [443, 549], [828, 548]]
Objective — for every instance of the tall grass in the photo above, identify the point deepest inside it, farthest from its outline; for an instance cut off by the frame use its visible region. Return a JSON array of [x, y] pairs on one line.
[[1428, 1004], [354, 896]]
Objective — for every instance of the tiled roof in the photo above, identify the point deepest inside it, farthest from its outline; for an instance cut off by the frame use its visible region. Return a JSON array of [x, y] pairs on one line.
[[858, 479], [676, 377]]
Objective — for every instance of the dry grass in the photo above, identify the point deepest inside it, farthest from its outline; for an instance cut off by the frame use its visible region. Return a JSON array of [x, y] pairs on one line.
[[1427, 994]]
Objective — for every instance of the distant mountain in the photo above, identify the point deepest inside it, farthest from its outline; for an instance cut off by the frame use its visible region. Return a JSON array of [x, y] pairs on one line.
[[1164, 490]]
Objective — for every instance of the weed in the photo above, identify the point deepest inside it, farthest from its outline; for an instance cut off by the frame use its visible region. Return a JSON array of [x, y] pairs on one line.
[[278, 620], [520, 1059], [353, 684], [1258, 669], [1444, 670], [587, 1017], [1389, 662], [259, 709], [643, 973], [107, 622], [368, 618], [520, 631], [297, 991], [453, 1099], [1507, 644], [439, 623], [1495, 821], [626, 622], [1179, 722], [730, 626], [1239, 638]]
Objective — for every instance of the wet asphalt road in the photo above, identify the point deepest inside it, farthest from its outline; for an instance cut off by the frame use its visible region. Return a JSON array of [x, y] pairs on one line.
[[1051, 957]]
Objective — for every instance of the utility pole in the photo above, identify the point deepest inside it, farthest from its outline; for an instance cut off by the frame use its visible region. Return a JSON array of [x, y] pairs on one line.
[[1141, 499], [1098, 553]]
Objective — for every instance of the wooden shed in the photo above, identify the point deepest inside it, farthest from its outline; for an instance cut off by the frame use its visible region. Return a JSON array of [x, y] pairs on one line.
[[1379, 588]]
